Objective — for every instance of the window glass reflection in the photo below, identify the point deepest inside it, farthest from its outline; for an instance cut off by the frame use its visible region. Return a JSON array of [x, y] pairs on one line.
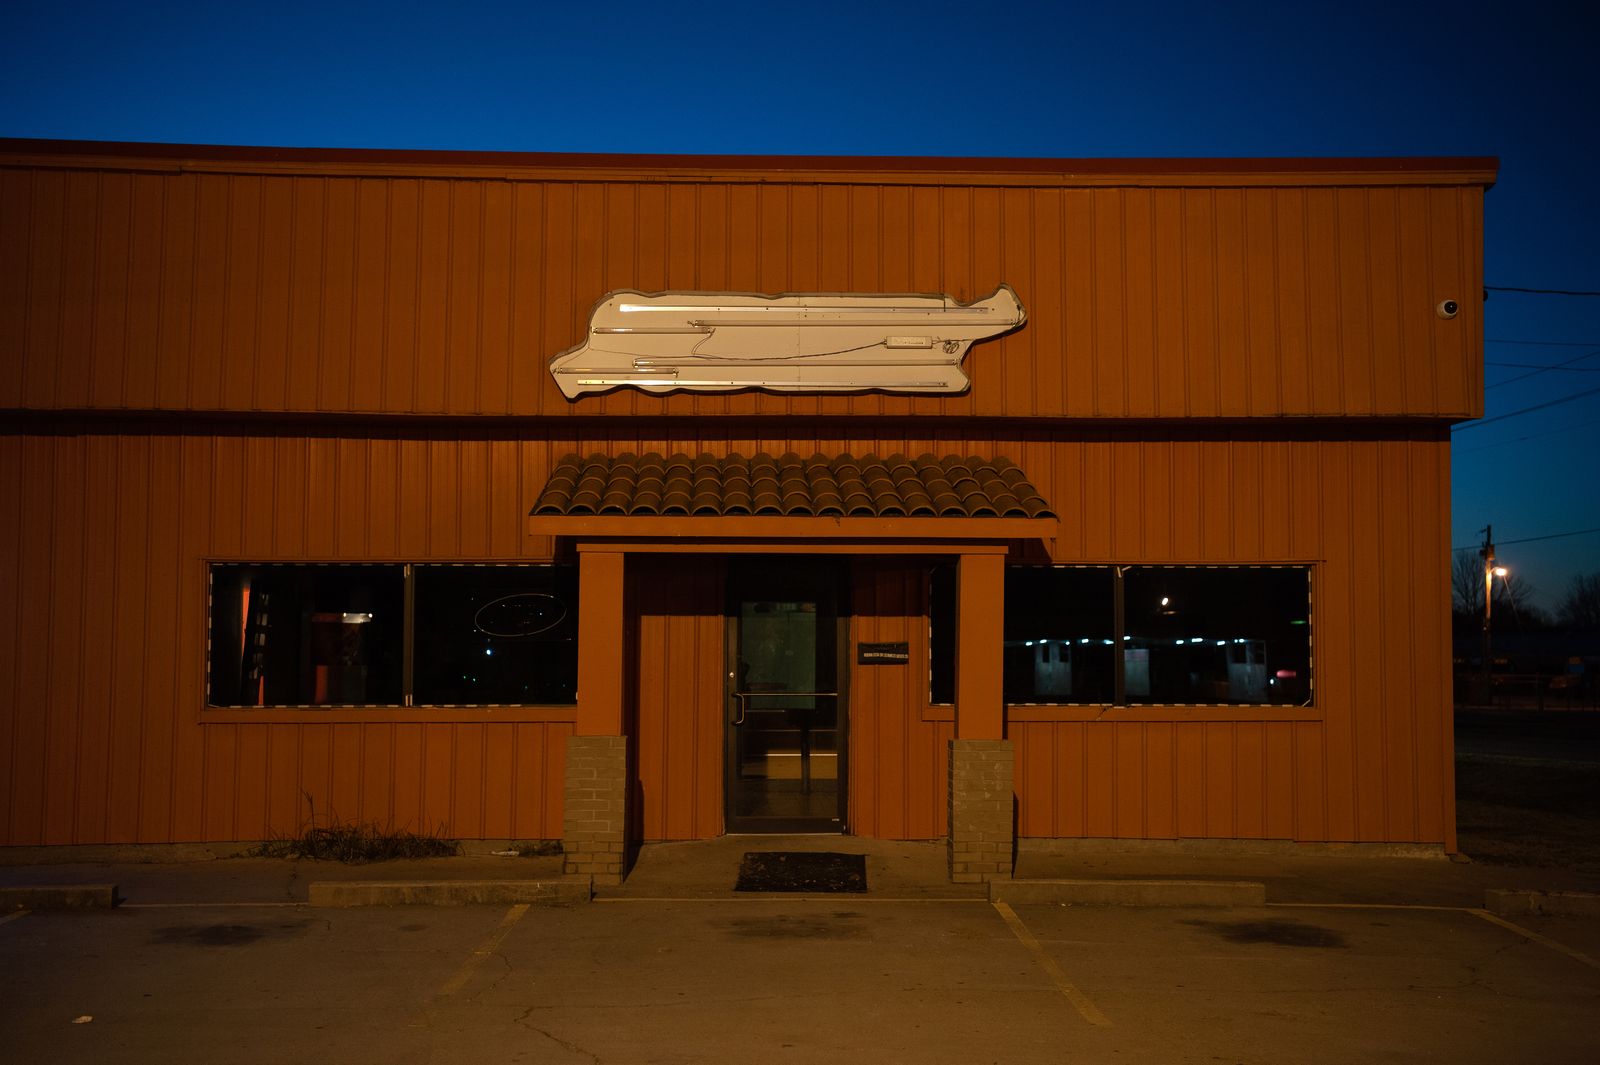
[[334, 634], [495, 635], [306, 635], [1059, 629], [1238, 635], [1235, 635]]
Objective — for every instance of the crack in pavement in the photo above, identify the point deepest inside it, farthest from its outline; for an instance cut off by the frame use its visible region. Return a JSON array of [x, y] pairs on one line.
[[506, 970], [571, 1048]]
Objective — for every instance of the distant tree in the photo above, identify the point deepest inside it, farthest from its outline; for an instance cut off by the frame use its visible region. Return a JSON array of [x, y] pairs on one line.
[[1466, 584], [1580, 607], [1514, 608]]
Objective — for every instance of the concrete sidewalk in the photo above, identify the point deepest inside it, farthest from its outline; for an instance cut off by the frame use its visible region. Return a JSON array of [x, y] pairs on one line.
[[142, 879], [1353, 875], [708, 869]]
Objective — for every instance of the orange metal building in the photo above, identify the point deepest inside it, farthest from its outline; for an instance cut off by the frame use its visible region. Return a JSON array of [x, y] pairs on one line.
[[220, 366]]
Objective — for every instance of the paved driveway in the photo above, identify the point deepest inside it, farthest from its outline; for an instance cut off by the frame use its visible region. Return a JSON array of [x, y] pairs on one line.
[[796, 980]]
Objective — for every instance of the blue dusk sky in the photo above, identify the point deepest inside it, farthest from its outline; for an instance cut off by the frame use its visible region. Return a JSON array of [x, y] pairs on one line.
[[1515, 81]]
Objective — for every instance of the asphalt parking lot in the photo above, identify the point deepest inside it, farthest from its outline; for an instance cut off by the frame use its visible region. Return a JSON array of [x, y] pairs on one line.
[[829, 979], [1353, 959]]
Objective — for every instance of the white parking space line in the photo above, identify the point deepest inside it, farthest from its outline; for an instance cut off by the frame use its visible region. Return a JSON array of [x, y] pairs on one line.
[[484, 949], [1526, 933], [14, 916], [428, 1011], [1529, 934], [1079, 1000]]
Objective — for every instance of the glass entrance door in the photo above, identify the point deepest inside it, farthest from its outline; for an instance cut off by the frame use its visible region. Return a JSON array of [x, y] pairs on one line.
[[785, 709]]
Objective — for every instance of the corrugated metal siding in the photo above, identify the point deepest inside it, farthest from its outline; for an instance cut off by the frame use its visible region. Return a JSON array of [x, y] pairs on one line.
[[677, 604], [899, 758], [1372, 515], [246, 292], [102, 642]]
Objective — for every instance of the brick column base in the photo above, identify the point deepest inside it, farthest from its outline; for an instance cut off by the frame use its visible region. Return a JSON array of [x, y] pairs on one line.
[[594, 823], [980, 810]]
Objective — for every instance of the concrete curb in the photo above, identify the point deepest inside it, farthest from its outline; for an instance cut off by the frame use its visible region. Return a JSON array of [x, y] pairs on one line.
[[1525, 903], [344, 893], [122, 853], [59, 897], [1100, 847], [1130, 892]]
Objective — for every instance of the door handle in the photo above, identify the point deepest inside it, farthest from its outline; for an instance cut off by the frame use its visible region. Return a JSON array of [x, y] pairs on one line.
[[741, 698]]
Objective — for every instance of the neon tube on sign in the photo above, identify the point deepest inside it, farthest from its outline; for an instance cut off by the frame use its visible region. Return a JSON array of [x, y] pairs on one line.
[[720, 341]]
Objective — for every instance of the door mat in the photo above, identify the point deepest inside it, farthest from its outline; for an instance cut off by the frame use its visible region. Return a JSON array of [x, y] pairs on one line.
[[820, 871]]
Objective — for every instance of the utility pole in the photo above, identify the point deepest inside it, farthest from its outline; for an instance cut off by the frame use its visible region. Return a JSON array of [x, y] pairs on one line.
[[1486, 552]]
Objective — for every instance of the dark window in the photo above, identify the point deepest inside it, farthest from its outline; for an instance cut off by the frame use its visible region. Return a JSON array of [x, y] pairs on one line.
[[307, 635], [1217, 635], [1189, 635], [1059, 635], [386, 635], [504, 635]]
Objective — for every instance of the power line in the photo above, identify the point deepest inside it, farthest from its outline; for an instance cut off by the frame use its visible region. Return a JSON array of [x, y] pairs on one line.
[[1545, 369], [1540, 291], [1542, 366], [1525, 410], [1548, 343], [1520, 439], [1534, 539], [1552, 536]]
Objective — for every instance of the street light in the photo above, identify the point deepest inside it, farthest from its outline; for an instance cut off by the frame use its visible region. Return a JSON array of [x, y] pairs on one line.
[[1490, 572]]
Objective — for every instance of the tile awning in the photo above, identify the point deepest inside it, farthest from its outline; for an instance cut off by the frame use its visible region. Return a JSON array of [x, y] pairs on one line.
[[656, 494]]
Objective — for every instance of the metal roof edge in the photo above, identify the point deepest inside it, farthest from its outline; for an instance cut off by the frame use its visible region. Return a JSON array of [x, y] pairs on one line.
[[578, 166]]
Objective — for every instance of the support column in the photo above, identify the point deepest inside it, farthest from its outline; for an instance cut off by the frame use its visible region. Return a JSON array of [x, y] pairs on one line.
[[980, 646], [594, 819], [600, 640], [980, 810], [982, 762]]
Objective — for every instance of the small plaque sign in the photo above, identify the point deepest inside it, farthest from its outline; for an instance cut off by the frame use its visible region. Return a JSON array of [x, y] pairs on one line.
[[883, 654]]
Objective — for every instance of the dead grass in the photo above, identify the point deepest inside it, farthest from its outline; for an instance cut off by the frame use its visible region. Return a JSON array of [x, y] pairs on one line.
[[1531, 812], [356, 845], [539, 848]]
